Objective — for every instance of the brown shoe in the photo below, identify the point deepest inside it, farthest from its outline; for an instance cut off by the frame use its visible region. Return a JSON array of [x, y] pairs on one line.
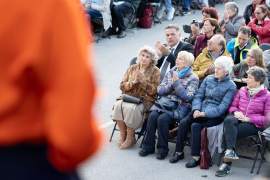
[[130, 140], [122, 138]]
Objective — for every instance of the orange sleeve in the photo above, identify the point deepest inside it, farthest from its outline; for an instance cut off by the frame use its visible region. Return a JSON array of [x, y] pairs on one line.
[[69, 88]]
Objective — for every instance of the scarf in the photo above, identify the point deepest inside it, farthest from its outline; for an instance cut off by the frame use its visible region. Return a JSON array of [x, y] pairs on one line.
[[182, 72], [253, 91]]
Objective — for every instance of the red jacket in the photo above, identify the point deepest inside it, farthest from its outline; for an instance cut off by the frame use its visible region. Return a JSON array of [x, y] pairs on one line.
[[257, 108], [262, 30]]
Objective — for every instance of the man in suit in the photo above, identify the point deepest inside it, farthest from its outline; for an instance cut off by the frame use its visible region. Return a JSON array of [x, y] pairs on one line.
[[167, 53]]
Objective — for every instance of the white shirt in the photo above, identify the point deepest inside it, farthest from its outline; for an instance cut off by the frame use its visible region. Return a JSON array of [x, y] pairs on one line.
[[169, 66]]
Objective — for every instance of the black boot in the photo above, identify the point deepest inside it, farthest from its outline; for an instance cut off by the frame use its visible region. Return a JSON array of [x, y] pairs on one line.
[[122, 34]]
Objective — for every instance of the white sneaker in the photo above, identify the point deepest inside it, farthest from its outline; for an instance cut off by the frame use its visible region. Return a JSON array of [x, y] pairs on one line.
[[170, 14], [160, 12]]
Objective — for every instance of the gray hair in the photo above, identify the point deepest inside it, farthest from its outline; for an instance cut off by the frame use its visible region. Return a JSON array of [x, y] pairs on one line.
[[258, 73], [225, 62], [151, 51], [233, 6], [189, 57], [173, 26]]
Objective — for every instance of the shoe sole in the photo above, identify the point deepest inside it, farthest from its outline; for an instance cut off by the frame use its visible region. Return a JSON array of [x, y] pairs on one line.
[[222, 175], [227, 159]]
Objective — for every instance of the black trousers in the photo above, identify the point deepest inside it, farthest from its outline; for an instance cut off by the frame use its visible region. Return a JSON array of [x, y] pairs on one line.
[[142, 7], [235, 129], [29, 162], [195, 129], [160, 121]]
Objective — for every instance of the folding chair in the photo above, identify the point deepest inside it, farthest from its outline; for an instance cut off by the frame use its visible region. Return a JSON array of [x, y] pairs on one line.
[[131, 20], [264, 46], [266, 134], [156, 5], [177, 7]]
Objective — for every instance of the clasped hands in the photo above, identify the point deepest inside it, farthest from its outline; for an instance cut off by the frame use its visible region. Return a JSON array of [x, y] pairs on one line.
[[209, 70], [197, 114], [139, 77], [241, 117], [161, 49]]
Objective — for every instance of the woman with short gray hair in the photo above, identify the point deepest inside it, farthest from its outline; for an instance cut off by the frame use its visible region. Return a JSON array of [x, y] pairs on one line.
[[230, 22], [249, 113], [141, 80], [209, 107]]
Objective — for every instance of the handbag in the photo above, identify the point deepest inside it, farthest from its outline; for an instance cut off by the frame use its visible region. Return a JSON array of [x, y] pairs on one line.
[[205, 153], [145, 21], [132, 99], [167, 104]]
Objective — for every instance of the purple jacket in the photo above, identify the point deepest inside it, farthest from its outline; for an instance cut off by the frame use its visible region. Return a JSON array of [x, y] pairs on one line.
[[257, 108], [200, 44]]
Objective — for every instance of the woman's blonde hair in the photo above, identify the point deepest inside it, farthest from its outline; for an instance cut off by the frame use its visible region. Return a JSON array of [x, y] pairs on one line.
[[152, 53], [187, 56], [258, 55]]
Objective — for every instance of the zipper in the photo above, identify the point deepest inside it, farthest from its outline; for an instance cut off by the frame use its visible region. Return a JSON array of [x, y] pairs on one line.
[[248, 106]]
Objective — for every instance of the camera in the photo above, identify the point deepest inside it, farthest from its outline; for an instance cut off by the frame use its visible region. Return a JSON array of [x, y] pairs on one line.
[[187, 28]]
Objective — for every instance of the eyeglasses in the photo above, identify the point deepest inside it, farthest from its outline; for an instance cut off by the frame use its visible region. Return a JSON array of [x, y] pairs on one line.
[[257, 13]]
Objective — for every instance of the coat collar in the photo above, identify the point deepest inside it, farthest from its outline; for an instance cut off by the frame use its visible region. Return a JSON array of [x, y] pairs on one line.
[[261, 93]]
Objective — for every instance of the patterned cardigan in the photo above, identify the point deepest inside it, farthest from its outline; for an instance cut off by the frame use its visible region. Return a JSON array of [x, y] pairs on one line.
[[147, 89], [183, 90]]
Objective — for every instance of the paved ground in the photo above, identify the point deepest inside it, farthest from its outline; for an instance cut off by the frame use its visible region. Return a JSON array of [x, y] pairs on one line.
[[112, 57]]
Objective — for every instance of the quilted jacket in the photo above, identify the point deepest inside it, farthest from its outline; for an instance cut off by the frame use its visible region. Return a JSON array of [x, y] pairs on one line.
[[257, 108], [214, 96], [182, 90], [262, 30]]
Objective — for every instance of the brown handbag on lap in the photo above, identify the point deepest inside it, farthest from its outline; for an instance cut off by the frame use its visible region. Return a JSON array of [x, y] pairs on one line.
[[205, 154]]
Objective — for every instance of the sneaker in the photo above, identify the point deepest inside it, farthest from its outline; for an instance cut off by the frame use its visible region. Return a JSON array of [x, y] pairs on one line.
[[170, 14], [230, 156], [160, 12], [223, 170], [186, 12]]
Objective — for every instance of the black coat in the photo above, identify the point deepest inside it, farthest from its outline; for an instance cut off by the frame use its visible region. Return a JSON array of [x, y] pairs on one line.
[[248, 12], [172, 57]]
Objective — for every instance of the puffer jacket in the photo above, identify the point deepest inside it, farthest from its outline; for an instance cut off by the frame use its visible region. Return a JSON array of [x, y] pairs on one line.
[[232, 27], [257, 108], [262, 30], [233, 44], [214, 96], [182, 90], [249, 11]]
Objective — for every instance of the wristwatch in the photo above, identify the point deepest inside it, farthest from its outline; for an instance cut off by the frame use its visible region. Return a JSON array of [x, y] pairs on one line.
[[168, 54]]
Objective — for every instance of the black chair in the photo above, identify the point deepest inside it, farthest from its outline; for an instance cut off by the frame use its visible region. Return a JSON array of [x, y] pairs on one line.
[[177, 7], [266, 135], [264, 46]]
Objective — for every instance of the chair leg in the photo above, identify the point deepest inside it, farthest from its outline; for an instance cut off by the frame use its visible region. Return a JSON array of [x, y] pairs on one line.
[[99, 37], [255, 159], [213, 158], [220, 157], [262, 157], [244, 141], [113, 132], [142, 140]]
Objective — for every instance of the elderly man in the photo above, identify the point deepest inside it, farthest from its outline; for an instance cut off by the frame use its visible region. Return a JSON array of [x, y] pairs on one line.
[[204, 63], [239, 46], [168, 53]]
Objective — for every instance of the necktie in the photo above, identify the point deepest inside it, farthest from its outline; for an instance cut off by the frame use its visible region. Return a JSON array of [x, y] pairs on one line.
[[165, 67]]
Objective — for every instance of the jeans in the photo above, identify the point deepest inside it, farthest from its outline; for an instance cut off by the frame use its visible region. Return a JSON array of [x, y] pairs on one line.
[[160, 121], [119, 11], [196, 129], [186, 4], [168, 5], [93, 13]]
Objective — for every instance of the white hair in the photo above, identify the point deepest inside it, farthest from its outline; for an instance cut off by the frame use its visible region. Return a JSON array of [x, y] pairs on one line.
[[233, 6], [151, 51], [225, 62]]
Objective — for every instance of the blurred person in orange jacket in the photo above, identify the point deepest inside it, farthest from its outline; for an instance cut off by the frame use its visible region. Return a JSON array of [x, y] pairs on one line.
[[47, 90]]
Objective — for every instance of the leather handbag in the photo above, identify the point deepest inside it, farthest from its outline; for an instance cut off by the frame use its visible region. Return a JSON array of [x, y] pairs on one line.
[[132, 99], [145, 21], [167, 104], [173, 133], [205, 153]]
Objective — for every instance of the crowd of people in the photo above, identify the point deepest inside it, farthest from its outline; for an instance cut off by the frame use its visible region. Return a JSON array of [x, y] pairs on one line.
[[200, 81]]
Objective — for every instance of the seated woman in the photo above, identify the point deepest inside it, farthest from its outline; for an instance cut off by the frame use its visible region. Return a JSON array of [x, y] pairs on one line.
[[249, 111], [141, 80], [210, 27], [249, 11], [230, 23], [254, 58], [209, 106], [180, 84], [207, 12], [261, 24]]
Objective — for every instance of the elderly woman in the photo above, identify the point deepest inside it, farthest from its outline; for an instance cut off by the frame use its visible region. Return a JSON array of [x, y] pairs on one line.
[[209, 106], [254, 58], [210, 27], [180, 84], [261, 24], [141, 80], [207, 12], [230, 23], [250, 113], [249, 11]]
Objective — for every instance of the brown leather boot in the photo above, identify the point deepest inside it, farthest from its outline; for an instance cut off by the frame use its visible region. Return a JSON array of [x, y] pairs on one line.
[[130, 140], [123, 132]]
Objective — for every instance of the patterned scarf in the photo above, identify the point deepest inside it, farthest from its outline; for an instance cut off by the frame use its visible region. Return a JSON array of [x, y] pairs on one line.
[[182, 72]]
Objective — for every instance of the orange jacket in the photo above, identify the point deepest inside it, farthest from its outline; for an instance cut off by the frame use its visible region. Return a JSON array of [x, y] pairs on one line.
[[46, 87]]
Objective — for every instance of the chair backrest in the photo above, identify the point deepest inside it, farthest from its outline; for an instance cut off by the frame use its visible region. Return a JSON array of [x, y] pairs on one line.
[[264, 46], [133, 61], [111, 5]]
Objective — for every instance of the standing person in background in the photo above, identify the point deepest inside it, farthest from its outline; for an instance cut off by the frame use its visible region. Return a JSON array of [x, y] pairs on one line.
[[47, 91], [169, 9]]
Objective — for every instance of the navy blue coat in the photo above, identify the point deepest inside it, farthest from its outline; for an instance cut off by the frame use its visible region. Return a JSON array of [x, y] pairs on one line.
[[214, 97]]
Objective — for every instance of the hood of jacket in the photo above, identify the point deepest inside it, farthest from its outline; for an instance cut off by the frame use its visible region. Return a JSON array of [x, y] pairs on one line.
[[250, 43]]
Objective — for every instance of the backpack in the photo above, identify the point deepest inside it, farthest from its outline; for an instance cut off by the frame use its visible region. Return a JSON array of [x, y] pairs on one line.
[[145, 21]]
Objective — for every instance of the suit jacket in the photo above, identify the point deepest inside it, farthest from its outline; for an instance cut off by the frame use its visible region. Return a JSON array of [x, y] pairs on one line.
[[172, 57]]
